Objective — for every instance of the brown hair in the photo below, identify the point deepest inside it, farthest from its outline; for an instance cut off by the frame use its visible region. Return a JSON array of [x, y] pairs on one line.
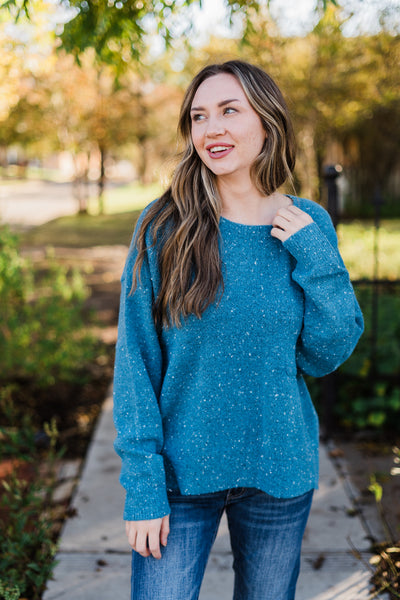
[[189, 210]]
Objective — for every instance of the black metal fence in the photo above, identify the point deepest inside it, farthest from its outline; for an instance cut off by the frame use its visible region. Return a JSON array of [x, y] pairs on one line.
[[368, 380]]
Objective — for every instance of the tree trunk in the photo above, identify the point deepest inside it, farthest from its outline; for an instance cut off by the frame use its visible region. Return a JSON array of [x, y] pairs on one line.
[[143, 159], [102, 180], [3, 156], [79, 186]]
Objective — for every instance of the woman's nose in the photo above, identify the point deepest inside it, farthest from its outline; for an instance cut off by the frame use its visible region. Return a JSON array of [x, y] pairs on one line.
[[215, 127]]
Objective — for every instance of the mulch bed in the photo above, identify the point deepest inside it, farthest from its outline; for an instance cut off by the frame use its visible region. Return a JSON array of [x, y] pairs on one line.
[[73, 407]]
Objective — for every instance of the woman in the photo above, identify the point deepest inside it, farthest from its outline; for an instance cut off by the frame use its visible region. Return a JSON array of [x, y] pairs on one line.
[[231, 292]]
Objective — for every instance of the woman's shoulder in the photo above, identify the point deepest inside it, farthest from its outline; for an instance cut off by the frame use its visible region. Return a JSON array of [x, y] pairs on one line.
[[148, 215], [153, 206], [319, 215], [141, 231], [152, 226], [311, 207]]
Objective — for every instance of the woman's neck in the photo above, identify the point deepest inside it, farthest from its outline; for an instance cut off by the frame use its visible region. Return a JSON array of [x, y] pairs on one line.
[[243, 203]]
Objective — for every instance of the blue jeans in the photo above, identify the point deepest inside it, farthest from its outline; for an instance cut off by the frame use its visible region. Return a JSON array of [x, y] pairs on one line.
[[265, 532]]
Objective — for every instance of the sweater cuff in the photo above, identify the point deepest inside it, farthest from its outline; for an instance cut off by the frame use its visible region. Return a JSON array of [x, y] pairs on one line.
[[310, 245], [144, 507]]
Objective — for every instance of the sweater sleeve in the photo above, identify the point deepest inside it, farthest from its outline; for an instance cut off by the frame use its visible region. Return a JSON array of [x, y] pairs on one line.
[[332, 322], [137, 384]]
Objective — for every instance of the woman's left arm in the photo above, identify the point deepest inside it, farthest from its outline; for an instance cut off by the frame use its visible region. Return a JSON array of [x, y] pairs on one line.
[[333, 321]]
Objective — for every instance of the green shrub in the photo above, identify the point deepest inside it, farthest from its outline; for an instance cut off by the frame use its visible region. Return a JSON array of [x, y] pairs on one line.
[[42, 332], [9, 592], [368, 389], [387, 355], [27, 547]]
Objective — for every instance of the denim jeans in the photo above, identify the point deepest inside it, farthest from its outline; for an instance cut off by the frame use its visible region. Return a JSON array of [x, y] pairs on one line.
[[265, 533]]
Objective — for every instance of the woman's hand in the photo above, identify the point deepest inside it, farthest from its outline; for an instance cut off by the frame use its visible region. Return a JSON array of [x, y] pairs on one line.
[[287, 221], [145, 536]]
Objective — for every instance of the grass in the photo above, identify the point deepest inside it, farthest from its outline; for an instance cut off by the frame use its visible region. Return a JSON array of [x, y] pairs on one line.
[[122, 206], [83, 231], [125, 198], [356, 242]]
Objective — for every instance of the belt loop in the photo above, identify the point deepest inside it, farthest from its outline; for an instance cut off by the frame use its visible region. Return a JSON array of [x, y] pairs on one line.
[[234, 493]]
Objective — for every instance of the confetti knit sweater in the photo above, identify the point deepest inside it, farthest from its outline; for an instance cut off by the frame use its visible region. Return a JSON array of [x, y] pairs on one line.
[[221, 402]]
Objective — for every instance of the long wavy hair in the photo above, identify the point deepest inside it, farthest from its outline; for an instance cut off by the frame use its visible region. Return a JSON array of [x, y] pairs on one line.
[[186, 217]]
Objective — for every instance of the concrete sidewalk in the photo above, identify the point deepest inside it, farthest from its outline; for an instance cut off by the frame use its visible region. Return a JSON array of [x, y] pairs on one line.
[[94, 558]]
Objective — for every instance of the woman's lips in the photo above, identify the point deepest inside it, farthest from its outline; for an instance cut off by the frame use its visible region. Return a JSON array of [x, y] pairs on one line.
[[219, 150]]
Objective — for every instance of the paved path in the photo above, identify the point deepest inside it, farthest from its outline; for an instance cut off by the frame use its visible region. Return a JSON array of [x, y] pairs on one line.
[[31, 203], [95, 559]]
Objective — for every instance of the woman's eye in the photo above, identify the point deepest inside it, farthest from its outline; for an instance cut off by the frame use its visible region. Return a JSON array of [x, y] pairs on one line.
[[197, 117], [229, 110]]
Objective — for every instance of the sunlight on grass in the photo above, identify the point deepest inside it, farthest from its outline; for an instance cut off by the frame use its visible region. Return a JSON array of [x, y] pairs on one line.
[[122, 206], [356, 242], [133, 196], [83, 231]]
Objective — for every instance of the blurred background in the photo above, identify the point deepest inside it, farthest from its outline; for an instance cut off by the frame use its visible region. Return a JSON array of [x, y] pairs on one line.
[[90, 94], [89, 99], [90, 91]]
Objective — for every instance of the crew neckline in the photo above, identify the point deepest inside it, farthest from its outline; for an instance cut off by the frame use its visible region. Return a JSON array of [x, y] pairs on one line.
[[249, 226]]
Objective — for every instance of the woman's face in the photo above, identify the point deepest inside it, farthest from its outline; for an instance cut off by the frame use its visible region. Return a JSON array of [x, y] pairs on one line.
[[226, 131]]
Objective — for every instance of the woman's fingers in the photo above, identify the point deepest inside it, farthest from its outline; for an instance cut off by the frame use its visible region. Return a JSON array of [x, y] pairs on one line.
[[131, 533], [164, 530], [288, 221], [154, 543], [144, 536], [141, 546]]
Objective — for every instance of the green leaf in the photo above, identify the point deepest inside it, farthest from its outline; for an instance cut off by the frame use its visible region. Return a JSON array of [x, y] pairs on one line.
[[326, 3], [377, 419], [375, 488]]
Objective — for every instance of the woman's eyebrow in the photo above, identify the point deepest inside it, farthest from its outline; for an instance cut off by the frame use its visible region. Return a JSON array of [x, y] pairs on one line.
[[222, 103]]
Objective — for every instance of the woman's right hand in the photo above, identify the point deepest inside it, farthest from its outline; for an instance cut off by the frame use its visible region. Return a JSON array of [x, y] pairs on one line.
[[145, 536]]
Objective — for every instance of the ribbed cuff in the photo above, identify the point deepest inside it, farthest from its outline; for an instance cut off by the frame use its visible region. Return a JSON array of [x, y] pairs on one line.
[[144, 506], [310, 246]]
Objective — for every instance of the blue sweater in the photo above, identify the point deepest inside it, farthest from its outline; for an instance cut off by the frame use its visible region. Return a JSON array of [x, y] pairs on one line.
[[221, 402]]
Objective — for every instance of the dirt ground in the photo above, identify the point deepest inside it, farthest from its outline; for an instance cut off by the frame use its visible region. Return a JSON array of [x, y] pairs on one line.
[[360, 460]]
